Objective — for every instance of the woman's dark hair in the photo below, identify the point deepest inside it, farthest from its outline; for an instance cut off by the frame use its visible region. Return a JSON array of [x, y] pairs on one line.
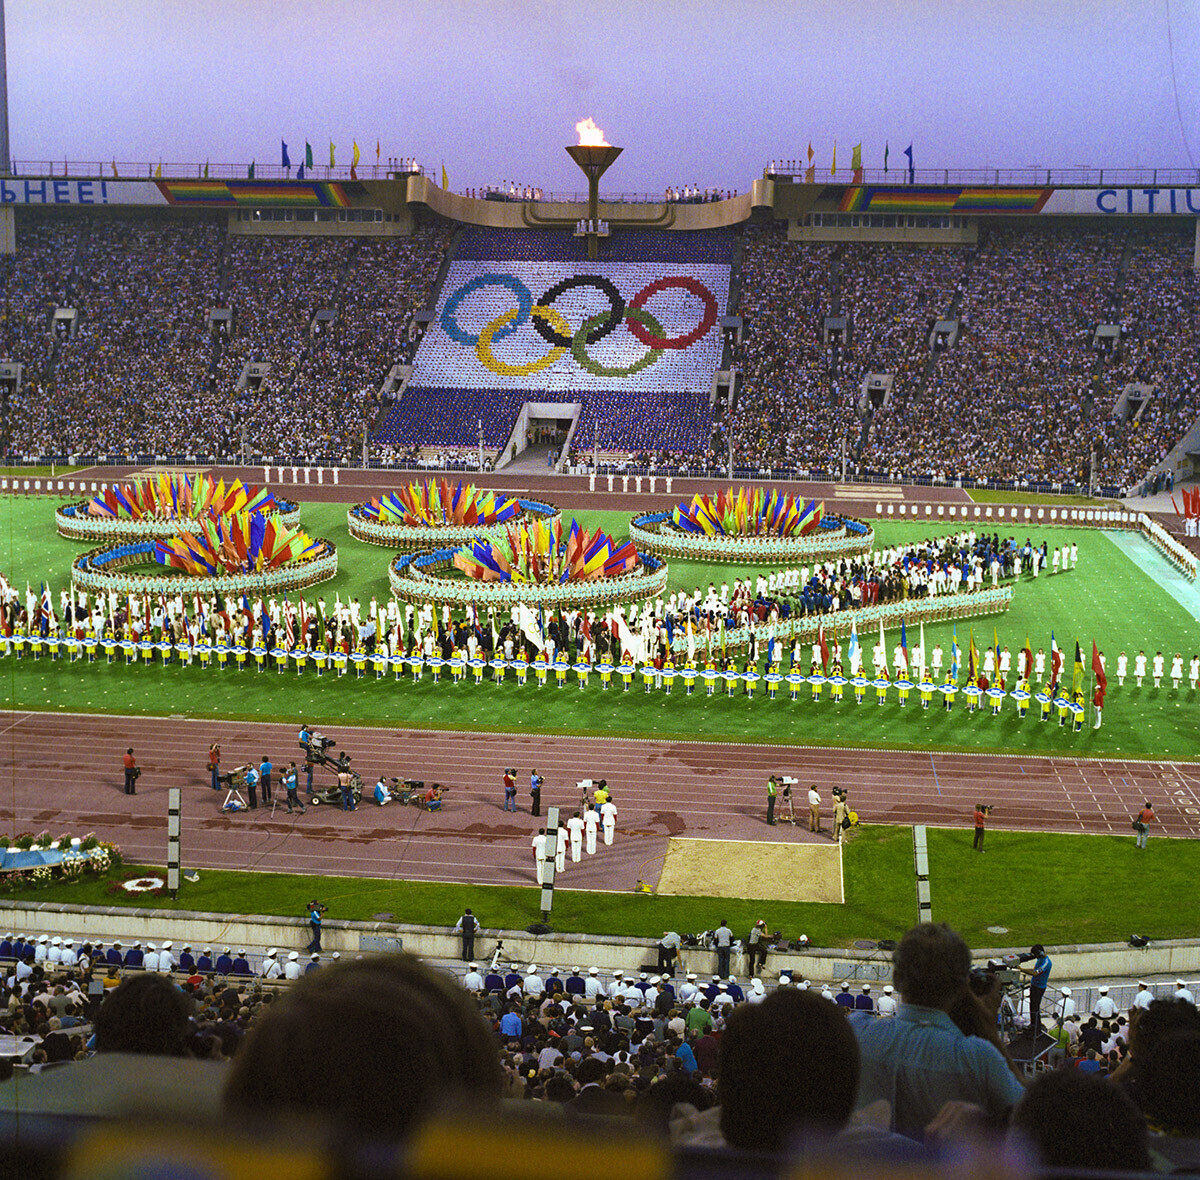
[[146, 1014], [787, 1066], [1078, 1121], [1168, 1082], [373, 1045]]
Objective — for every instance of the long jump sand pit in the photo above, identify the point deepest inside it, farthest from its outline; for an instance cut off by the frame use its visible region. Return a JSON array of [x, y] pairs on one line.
[[752, 869]]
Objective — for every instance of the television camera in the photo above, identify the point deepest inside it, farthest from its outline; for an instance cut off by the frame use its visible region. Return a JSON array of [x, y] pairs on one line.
[[317, 754], [787, 807]]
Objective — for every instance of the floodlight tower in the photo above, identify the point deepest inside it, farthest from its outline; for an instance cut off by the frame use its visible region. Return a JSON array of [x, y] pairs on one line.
[[594, 158], [5, 158]]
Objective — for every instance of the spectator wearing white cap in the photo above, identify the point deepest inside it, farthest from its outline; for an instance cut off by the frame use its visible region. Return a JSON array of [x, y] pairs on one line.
[[1066, 1006], [756, 993], [472, 980], [187, 962], [593, 986], [271, 968], [314, 962], [54, 953], [1144, 997], [574, 985], [42, 950], [69, 956], [886, 1004], [864, 1001], [166, 959], [150, 957], [688, 991], [292, 970], [1182, 992], [722, 999], [1105, 1007], [534, 985]]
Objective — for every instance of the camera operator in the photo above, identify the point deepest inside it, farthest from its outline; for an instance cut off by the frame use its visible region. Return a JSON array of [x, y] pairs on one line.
[[315, 910], [982, 811], [535, 792], [1039, 970]]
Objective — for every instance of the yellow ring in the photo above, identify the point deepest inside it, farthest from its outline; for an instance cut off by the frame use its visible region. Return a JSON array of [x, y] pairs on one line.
[[483, 349]]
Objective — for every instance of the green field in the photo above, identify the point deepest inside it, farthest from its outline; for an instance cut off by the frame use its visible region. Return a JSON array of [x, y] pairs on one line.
[[1072, 889], [989, 496], [1106, 598]]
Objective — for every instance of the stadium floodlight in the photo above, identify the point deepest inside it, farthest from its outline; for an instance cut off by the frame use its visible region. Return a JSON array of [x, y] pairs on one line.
[[594, 158]]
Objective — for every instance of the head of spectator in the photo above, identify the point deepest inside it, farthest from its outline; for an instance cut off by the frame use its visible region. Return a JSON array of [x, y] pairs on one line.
[[788, 1066], [146, 1014], [373, 1044], [931, 966], [1080, 1121], [1169, 1082]]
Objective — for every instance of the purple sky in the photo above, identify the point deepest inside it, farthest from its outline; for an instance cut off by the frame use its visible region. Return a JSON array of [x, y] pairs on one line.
[[696, 92]]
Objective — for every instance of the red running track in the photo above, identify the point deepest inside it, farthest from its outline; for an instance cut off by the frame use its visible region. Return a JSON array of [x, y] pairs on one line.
[[64, 774]]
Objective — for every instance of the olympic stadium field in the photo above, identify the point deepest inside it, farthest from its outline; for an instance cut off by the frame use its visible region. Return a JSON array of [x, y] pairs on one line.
[[1080, 886]]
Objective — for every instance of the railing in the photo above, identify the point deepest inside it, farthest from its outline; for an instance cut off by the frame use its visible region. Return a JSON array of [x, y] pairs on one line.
[[141, 170], [1034, 175], [483, 193]]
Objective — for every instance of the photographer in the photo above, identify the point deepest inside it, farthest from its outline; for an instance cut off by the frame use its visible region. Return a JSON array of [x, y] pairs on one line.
[[315, 910], [982, 811], [132, 771], [535, 793]]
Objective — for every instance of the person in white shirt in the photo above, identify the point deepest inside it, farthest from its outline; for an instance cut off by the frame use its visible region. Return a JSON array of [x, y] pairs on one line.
[[886, 1004], [1074, 555], [1104, 1008], [473, 981], [560, 850], [166, 959], [591, 822], [1139, 667], [756, 993], [1177, 671], [271, 968], [688, 991], [1054, 559], [593, 986], [1122, 668], [1145, 996], [722, 999], [1182, 992], [538, 844], [42, 950], [54, 953], [1065, 1006], [1194, 672], [69, 957], [534, 984], [292, 970], [608, 818], [150, 958], [575, 835], [1158, 670], [1039, 663], [936, 662]]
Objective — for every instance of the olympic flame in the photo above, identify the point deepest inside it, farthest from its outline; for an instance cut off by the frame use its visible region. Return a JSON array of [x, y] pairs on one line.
[[589, 134]]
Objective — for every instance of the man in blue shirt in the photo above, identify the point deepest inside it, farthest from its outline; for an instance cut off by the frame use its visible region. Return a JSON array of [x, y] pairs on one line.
[[921, 1059], [314, 924], [264, 779], [1040, 972], [224, 962], [510, 1025], [252, 787]]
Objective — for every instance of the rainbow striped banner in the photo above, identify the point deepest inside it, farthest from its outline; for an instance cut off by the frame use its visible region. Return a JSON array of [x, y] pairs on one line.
[[293, 194], [906, 199]]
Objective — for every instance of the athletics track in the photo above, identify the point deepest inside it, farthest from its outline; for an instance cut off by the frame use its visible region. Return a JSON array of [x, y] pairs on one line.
[[65, 775]]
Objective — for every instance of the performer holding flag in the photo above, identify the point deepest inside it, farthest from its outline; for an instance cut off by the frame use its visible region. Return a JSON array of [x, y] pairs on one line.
[[1101, 684]]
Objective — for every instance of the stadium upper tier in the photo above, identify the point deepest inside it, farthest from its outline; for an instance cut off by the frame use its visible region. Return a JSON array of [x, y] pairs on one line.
[[634, 338]]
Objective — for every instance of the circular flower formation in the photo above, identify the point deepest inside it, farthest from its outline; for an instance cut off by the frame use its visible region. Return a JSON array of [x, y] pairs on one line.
[[750, 526], [435, 513], [164, 505], [554, 329], [143, 885]]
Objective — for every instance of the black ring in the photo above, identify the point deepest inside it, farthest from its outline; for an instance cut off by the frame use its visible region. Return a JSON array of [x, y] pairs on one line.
[[552, 336]]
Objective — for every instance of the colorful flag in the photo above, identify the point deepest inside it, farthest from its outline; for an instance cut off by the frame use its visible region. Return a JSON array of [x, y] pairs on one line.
[[1098, 670], [354, 161], [250, 171], [116, 174], [824, 647], [908, 153], [883, 646], [856, 162], [158, 172], [853, 655], [810, 152], [308, 156], [972, 658], [1077, 673], [903, 645], [885, 155], [377, 153], [445, 181], [1028, 654], [332, 155], [1055, 661], [285, 159], [955, 654], [205, 169], [833, 162], [996, 648]]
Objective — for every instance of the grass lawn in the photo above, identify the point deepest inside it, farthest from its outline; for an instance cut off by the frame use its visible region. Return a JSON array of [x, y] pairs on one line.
[[1106, 598], [1050, 888]]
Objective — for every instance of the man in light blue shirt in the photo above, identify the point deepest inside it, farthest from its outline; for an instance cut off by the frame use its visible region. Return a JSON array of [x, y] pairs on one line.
[[921, 1060]]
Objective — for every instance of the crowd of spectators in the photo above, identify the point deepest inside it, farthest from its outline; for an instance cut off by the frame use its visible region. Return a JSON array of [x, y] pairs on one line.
[[386, 1041], [145, 373]]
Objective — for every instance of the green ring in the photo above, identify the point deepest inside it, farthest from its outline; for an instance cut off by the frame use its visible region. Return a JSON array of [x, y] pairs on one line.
[[585, 362]]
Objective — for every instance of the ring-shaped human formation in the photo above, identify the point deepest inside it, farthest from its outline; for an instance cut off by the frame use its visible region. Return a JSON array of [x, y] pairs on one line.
[[435, 512], [552, 326], [531, 565], [750, 525], [162, 505], [243, 553]]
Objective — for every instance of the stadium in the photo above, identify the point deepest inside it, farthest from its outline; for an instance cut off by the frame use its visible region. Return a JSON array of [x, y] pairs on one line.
[[584, 645]]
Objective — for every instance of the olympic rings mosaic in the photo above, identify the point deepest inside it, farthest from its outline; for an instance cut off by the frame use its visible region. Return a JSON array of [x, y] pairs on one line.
[[552, 326]]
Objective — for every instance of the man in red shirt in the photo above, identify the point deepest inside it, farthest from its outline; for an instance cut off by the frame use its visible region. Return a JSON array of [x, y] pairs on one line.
[[131, 772], [980, 817], [510, 789], [1145, 817]]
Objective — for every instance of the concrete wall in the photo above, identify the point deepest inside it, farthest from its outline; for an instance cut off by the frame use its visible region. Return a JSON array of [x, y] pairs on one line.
[[1112, 961]]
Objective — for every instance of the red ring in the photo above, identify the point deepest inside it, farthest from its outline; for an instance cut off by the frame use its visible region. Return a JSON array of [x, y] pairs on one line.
[[698, 289]]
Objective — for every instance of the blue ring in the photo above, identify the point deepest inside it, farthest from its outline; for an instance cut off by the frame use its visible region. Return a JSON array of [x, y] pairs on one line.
[[518, 288]]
